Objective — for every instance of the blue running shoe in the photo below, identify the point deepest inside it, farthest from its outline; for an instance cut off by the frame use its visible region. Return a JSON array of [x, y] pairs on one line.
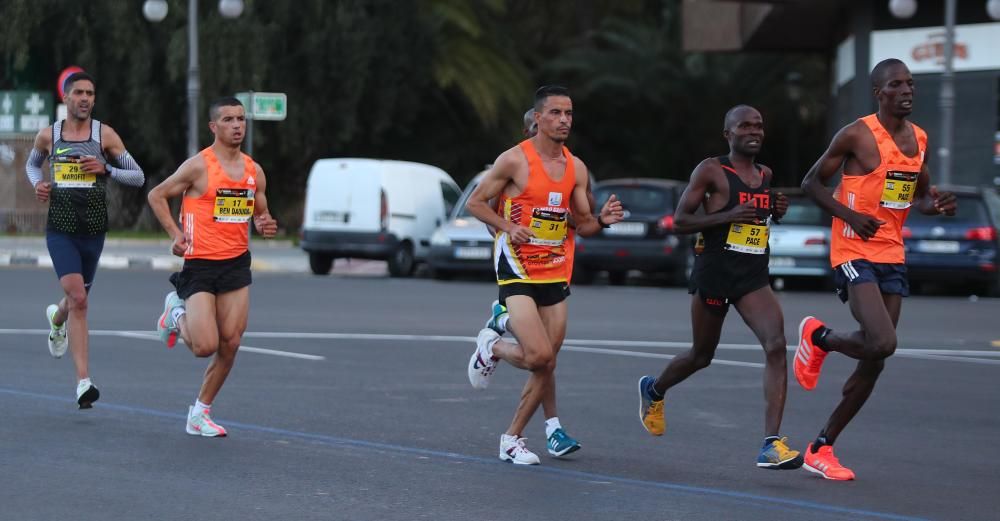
[[560, 444], [497, 311], [776, 455]]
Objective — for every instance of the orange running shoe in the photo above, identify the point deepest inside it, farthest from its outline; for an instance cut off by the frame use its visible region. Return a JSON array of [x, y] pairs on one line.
[[824, 463], [808, 356]]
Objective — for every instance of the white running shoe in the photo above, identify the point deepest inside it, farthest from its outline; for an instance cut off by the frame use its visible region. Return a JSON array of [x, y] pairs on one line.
[[482, 365], [57, 334], [86, 394], [512, 449], [165, 326], [202, 424]]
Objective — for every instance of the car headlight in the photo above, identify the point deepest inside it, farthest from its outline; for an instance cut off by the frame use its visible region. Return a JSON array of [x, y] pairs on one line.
[[440, 238]]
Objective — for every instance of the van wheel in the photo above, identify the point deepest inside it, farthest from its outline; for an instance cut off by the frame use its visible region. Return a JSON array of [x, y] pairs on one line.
[[617, 278], [320, 263], [583, 275], [401, 263]]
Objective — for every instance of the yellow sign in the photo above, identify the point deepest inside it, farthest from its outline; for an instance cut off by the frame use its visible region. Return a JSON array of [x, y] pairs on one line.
[[747, 238], [70, 175], [549, 227], [233, 205], [898, 189]]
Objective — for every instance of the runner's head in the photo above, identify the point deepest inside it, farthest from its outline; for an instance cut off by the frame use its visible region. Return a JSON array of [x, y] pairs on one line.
[[553, 112], [530, 127], [892, 85], [80, 91], [227, 121], [744, 130]]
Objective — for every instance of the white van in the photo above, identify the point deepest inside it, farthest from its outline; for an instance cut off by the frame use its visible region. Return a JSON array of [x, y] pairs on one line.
[[374, 209]]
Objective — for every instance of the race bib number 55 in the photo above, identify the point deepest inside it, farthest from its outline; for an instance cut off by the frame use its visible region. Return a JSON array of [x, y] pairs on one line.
[[233, 205], [898, 189]]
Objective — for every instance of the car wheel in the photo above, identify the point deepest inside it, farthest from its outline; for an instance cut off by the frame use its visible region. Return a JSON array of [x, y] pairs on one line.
[[617, 278], [583, 276], [320, 263], [401, 263]]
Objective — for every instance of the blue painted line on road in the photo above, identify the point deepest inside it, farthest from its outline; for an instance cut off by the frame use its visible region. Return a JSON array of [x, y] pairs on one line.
[[741, 497]]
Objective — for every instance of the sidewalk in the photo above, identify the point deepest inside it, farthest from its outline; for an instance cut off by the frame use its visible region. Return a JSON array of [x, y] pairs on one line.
[[268, 255]]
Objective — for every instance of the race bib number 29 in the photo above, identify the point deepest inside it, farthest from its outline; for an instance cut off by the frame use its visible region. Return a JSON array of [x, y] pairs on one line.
[[233, 205], [70, 175]]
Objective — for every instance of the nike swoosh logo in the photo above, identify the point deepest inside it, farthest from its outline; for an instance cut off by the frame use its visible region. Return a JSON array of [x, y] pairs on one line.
[[63, 150]]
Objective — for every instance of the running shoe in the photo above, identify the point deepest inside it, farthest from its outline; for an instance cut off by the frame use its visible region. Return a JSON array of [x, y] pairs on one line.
[[808, 356], [202, 424], [497, 312], [57, 334], [512, 449], [650, 411], [824, 463], [482, 365], [86, 394], [561, 444], [776, 455], [165, 326]]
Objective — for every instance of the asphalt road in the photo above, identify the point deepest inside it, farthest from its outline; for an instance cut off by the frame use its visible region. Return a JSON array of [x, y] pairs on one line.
[[350, 401]]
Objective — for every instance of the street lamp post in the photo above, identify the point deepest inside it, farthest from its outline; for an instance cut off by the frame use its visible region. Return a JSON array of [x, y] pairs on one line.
[[156, 11]]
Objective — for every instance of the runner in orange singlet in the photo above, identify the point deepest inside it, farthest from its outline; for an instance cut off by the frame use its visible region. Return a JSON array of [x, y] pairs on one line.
[[223, 190], [884, 175], [540, 182]]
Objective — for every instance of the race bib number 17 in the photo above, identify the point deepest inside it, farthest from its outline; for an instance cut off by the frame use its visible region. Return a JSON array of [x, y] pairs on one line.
[[233, 205]]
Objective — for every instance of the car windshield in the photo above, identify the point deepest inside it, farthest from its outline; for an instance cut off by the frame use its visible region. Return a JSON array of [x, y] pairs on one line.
[[971, 214], [636, 199], [802, 210]]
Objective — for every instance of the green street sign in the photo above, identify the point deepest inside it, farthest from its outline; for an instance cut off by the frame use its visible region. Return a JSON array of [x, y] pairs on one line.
[[267, 106], [25, 111]]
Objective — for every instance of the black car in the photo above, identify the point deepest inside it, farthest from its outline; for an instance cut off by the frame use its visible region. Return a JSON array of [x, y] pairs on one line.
[[958, 249], [644, 240]]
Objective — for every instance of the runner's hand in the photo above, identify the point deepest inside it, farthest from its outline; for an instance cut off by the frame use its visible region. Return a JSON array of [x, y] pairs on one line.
[[744, 213], [91, 165], [612, 211], [780, 205], [944, 202], [266, 225], [42, 191], [180, 245], [864, 225], [519, 234]]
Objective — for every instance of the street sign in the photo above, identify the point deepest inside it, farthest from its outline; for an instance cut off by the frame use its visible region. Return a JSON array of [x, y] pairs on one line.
[[25, 111], [267, 106]]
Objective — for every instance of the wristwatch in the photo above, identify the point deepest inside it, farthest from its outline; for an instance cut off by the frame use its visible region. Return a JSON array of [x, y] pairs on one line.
[[601, 222]]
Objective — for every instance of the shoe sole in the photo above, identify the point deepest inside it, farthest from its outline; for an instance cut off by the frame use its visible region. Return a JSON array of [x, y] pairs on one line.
[[87, 399], [193, 432], [795, 362], [791, 464], [508, 459], [642, 409], [821, 473], [567, 451]]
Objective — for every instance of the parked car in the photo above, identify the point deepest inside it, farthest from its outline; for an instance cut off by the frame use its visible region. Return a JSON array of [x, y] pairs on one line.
[[800, 244], [374, 209], [957, 249], [645, 240], [462, 243]]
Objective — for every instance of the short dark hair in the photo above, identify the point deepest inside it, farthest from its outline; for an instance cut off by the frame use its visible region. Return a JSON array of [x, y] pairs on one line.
[[228, 101], [545, 91], [878, 72], [733, 112], [75, 77]]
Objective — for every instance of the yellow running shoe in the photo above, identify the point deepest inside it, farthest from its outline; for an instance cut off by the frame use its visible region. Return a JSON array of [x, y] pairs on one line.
[[650, 410], [776, 455]]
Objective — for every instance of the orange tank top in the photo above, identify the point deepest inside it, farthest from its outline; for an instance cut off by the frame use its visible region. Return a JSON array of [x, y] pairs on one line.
[[216, 223], [885, 193], [543, 207]]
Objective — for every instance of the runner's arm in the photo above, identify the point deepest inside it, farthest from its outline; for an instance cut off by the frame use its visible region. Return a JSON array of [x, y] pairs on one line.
[[266, 225], [704, 179], [585, 223], [928, 200], [125, 170], [40, 150], [173, 186], [489, 187]]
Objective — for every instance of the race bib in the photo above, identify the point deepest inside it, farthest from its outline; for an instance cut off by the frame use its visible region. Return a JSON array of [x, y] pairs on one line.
[[549, 228], [898, 189], [67, 174], [233, 205], [747, 238]]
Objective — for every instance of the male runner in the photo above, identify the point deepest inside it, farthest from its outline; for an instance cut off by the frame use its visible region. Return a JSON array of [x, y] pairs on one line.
[[222, 188], [732, 269], [539, 181], [558, 443], [884, 175], [78, 150]]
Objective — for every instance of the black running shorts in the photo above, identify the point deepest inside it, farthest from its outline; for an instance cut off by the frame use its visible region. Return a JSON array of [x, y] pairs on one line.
[[212, 276], [546, 294]]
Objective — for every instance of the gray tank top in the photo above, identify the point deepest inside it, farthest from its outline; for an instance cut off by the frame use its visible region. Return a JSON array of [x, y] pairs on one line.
[[78, 202]]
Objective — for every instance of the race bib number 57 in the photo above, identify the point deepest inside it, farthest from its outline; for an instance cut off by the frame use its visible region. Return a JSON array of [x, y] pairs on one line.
[[233, 205], [747, 238]]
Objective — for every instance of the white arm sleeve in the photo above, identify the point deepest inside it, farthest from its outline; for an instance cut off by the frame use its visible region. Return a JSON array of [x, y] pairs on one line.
[[34, 166], [130, 173]]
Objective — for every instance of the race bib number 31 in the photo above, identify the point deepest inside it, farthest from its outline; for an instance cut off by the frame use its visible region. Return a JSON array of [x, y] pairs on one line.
[[549, 228], [747, 238], [70, 175], [233, 205], [898, 189]]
